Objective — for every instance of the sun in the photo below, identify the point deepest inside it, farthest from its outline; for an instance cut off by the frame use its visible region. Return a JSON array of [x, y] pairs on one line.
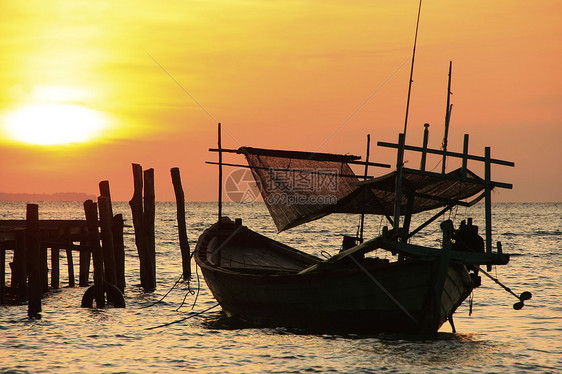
[[54, 124]]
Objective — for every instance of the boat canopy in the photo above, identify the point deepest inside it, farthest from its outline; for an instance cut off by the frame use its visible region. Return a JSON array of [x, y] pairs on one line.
[[299, 187]]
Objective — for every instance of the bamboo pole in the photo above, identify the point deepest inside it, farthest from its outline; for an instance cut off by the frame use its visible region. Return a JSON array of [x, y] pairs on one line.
[[424, 146], [412, 71], [219, 241], [465, 155], [365, 177], [33, 261], [447, 120], [182, 227], [398, 182], [488, 202]]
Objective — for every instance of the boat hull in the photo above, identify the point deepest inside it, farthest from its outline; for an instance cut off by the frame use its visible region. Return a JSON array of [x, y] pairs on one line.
[[375, 296]]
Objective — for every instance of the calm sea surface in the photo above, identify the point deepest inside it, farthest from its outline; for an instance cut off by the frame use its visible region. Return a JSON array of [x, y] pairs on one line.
[[495, 339]]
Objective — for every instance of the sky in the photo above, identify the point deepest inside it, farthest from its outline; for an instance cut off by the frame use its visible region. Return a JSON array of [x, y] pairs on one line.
[[88, 88]]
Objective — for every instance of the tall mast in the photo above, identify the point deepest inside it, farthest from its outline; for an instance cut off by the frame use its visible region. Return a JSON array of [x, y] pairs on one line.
[[412, 70]]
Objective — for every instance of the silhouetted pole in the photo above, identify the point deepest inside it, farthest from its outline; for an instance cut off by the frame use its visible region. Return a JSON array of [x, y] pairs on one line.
[[447, 120], [85, 257], [70, 266], [91, 210], [43, 268], [55, 268], [412, 71], [33, 261], [148, 229], [182, 227], [365, 175], [107, 239], [137, 212], [119, 247]]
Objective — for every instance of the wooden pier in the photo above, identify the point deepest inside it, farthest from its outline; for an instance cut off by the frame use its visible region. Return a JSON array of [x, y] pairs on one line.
[[32, 239]]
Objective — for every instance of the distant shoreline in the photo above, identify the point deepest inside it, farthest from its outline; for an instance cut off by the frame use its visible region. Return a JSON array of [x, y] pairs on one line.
[[59, 196]]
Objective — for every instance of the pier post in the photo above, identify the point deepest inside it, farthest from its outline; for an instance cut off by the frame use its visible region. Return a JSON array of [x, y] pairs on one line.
[[55, 268], [33, 254], [91, 211], [19, 267], [149, 216], [44, 269], [137, 211], [119, 248], [107, 239], [85, 257], [182, 227], [70, 265]]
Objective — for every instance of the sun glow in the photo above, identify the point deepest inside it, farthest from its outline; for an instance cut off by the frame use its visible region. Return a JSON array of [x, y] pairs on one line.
[[54, 124]]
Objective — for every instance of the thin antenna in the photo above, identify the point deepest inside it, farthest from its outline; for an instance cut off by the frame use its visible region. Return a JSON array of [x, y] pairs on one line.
[[412, 71]]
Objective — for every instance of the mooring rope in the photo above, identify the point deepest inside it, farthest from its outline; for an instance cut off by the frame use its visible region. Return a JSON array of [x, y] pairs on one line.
[[163, 297]]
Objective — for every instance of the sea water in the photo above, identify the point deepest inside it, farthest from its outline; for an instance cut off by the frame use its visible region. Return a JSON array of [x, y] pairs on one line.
[[165, 331]]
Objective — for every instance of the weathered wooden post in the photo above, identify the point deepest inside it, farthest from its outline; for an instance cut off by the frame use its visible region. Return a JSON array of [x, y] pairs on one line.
[[107, 239], [70, 265], [137, 211], [182, 227], [43, 268], [19, 266], [55, 268], [85, 257], [91, 211], [148, 229], [119, 247], [33, 250]]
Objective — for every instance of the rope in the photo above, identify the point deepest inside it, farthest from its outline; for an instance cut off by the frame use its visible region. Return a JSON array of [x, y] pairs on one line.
[[163, 297], [182, 319]]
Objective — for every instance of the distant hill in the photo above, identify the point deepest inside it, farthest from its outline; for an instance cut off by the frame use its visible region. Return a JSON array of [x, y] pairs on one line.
[[59, 196]]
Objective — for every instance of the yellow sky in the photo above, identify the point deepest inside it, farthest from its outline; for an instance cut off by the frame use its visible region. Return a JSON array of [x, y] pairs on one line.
[[153, 78]]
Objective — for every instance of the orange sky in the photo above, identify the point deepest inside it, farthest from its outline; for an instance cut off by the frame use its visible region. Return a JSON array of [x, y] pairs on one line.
[[307, 75]]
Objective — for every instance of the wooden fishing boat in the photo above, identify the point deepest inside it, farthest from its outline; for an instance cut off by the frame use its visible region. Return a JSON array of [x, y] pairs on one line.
[[263, 282], [266, 283]]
